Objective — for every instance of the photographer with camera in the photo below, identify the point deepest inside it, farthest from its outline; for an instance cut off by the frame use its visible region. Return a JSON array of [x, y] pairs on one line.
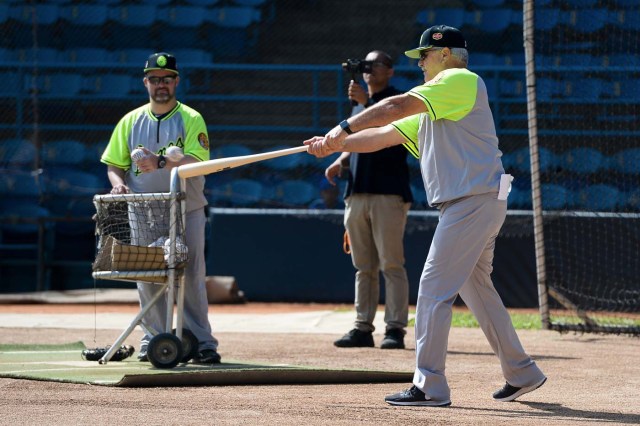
[[377, 199]]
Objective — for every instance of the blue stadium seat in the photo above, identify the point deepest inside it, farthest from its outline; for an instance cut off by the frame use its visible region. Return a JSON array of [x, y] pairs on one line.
[[554, 197], [12, 212], [84, 24], [629, 19], [286, 162], [85, 55], [520, 159], [631, 199], [63, 181], [7, 55], [482, 59], [41, 55], [19, 184], [519, 198], [230, 150], [630, 88], [4, 13], [187, 57], [512, 88], [111, 85], [584, 4], [296, 193], [181, 26], [230, 30], [599, 197], [46, 15], [490, 21], [405, 84], [244, 192], [512, 59], [585, 20], [132, 25], [62, 85], [17, 152], [548, 89], [621, 60], [584, 160], [70, 194], [233, 16], [11, 84], [492, 87], [133, 56], [627, 161], [577, 60], [585, 89], [64, 153], [546, 19], [452, 16]]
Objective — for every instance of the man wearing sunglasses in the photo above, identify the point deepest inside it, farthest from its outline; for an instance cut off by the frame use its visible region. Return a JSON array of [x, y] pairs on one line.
[[162, 123], [447, 124]]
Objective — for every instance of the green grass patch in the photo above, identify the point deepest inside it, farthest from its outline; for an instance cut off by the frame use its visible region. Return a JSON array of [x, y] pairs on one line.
[[520, 321]]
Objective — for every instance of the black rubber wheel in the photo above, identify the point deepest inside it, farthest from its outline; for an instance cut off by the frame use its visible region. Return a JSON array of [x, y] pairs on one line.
[[164, 350], [189, 345]]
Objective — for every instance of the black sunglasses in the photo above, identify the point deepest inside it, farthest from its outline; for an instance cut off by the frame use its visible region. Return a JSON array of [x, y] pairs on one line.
[[167, 79]]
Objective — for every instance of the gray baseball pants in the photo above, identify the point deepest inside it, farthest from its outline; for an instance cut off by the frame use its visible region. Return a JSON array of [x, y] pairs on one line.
[[460, 261], [196, 305]]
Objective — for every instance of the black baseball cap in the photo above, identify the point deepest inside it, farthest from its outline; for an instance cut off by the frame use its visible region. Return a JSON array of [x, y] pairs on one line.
[[161, 61], [438, 36]]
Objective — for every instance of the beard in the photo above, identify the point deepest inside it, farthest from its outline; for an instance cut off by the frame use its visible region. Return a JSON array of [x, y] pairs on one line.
[[162, 97]]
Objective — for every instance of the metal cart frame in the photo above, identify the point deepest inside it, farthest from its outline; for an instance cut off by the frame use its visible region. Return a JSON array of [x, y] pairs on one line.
[[170, 348]]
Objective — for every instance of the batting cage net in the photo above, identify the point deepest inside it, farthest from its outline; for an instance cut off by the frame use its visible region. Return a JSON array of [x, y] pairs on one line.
[[584, 130], [133, 233]]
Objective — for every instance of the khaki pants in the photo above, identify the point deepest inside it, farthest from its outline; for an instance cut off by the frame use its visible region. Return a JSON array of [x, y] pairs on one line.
[[375, 224]]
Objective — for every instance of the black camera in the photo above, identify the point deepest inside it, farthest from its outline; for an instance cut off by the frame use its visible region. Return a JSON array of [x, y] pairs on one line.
[[357, 66]]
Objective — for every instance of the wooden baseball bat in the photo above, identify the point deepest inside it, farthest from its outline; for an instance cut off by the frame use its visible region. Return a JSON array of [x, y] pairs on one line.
[[220, 164]]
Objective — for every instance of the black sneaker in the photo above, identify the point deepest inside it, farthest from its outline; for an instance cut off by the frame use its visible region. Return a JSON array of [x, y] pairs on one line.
[[414, 396], [355, 339], [393, 339], [207, 356], [509, 393], [142, 356]]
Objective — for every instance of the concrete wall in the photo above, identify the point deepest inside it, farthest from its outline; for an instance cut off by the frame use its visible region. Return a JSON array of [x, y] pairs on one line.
[[299, 257]]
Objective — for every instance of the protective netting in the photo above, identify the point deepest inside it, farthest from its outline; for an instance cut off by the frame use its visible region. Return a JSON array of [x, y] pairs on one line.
[[133, 234], [587, 105]]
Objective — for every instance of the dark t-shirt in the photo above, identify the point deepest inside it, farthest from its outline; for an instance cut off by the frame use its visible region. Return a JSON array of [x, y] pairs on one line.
[[381, 172]]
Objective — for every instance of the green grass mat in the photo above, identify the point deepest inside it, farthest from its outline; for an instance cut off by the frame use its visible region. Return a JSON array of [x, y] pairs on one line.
[[64, 363]]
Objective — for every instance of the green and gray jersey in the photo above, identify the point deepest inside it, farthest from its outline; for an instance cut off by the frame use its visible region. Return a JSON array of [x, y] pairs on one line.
[[183, 127], [455, 139]]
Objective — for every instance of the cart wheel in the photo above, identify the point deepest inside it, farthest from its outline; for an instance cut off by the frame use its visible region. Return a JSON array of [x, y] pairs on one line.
[[189, 345], [164, 350]]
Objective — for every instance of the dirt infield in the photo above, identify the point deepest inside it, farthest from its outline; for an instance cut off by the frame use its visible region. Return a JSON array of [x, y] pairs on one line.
[[592, 379]]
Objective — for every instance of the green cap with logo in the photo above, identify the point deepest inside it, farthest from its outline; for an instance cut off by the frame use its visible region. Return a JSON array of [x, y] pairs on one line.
[[161, 61], [438, 36]]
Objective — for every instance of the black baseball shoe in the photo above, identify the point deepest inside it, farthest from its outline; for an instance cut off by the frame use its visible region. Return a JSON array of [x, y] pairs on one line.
[[509, 393], [393, 339], [355, 339], [207, 356], [414, 396], [142, 356]]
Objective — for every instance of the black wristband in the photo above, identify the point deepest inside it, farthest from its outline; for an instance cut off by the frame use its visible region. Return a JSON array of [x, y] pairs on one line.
[[161, 161], [345, 126]]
